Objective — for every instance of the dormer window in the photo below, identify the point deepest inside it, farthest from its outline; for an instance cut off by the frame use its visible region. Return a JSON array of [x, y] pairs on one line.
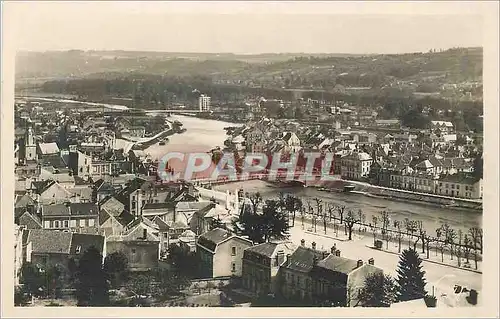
[[78, 249]]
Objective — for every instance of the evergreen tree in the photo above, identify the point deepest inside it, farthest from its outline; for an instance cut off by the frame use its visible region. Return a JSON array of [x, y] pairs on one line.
[[411, 281], [92, 286], [379, 291]]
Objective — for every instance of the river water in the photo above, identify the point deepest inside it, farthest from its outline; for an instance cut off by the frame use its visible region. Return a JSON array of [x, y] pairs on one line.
[[203, 135]]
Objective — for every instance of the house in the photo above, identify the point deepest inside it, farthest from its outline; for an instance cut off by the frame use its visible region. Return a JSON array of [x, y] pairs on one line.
[[461, 185], [141, 247], [102, 189], [51, 192], [165, 211], [133, 196], [184, 211], [49, 154], [338, 281], [202, 219], [220, 253], [47, 247], [393, 123], [113, 218], [442, 127], [260, 266], [76, 217], [170, 231], [187, 241], [30, 221], [356, 166]]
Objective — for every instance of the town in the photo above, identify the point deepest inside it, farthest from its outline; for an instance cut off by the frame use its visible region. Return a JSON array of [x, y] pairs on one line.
[[397, 224]]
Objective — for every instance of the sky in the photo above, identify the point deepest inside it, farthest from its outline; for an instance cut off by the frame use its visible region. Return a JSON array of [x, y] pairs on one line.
[[245, 28]]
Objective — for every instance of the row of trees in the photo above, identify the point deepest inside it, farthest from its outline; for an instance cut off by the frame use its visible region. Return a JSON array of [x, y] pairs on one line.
[[263, 220]]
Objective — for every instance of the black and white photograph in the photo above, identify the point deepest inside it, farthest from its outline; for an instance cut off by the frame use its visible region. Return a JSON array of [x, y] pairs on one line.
[[183, 154]]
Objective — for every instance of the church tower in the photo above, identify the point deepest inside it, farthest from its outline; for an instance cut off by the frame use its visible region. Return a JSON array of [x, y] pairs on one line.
[[29, 145]]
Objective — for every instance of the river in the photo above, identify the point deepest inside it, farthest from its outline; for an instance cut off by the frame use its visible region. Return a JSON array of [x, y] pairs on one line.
[[203, 135]]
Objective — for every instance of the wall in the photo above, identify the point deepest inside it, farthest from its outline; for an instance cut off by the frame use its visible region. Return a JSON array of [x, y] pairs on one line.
[[224, 259], [141, 255]]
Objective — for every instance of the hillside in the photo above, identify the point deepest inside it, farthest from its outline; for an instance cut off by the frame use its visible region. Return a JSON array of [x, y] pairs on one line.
[[423, 72]]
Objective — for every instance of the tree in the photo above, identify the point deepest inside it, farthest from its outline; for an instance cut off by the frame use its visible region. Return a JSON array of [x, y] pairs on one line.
[[449, 237], [411, 228], [467, 247], [341, 210], [411, 281], [32, 278], [350, 221], [476, 235], [92, 287], [116, 268], [385, 226], [478, 166], [216, 223], [422, 235], [440, 242], [399, 233], [293, 205], [274, 221], [171, 283], [379, 291], [374, 227]]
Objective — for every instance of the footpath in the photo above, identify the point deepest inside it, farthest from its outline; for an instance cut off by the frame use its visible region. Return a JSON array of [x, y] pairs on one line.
[[364, 236]]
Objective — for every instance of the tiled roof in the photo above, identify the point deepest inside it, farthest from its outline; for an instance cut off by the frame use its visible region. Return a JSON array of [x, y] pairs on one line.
[[302, 259], [30, 221], [49, 241], [264, 249], [338, 264], [192, 205], [85, 241], [84, 209], [55, 210], [212, 238], [24, 201], [460, 178]]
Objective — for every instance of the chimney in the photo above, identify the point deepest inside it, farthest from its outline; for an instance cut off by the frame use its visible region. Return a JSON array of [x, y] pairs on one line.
[[303, 243], [313, 245], [325, 254], [360, 263], [288, 258], [371, 261], [315, 260], [337, 253], [144, 233]]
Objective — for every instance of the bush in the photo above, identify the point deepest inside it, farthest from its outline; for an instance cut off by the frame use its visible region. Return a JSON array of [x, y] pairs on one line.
[[430, 301], [378, 244]]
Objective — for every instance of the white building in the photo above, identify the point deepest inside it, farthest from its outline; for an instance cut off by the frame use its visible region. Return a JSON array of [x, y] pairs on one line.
[[204, 103]]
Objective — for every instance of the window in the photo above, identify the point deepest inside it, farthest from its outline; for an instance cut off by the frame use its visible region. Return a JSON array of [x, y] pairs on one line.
[[91, 222], [78, 249], [72, 223], [233, 267], [452, 186], [66, 223], [133, 250], [233, 251], [56, 224], [47, 224], [82, 222]]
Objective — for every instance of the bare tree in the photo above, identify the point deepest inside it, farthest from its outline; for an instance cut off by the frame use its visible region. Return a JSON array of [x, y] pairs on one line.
[[411, 228], [467, 247], [422, 234], [476, 235], [385, 226], [350, 221], [374, 227], [361, 216], [458, 249], [399, 233], [293, 204], [449, 237], [341, 210], [441, 241]]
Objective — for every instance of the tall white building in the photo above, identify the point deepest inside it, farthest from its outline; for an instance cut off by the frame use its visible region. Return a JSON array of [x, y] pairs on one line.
[[204, 103]]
